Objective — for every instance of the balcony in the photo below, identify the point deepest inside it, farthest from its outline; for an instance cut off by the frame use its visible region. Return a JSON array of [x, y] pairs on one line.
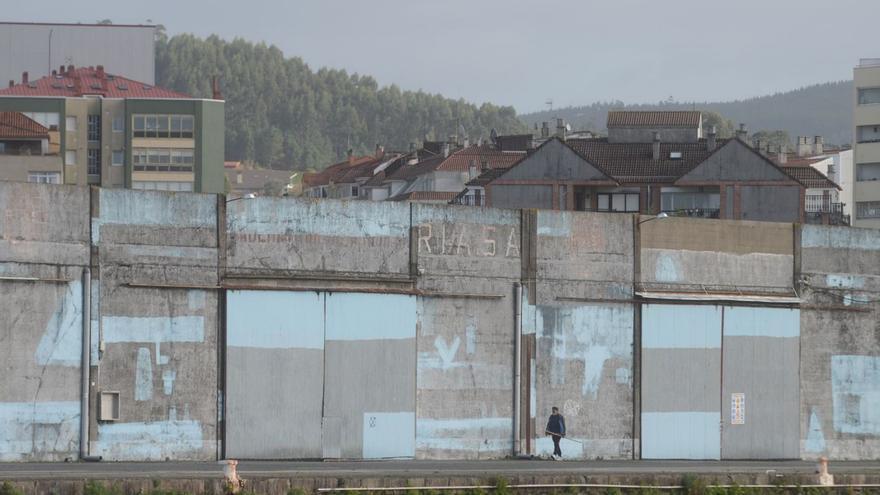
[[819, 210], [695, 212]]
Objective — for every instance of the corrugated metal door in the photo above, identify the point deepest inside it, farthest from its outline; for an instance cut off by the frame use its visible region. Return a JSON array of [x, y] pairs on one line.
[[760, 383], [681, 382], [274, 374], [369, 375]]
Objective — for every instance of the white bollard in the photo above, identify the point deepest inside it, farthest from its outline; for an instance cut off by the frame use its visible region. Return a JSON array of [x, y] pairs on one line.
[[233, 482], [825, 478]]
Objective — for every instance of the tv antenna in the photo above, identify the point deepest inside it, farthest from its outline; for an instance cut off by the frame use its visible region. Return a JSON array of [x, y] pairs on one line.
[[549, 104]]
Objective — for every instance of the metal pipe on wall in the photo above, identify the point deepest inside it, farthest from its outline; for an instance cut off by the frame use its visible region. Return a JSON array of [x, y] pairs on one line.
[[517, 367], [84, 369]]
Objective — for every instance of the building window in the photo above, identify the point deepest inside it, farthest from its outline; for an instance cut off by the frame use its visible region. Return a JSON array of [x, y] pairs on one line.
[[118, 158], [94, 130], [868, 133], [94, 162], [354, 191], [867, 171], [868, 209], [162, 160], [163, 126], [118, 124], [162, 186], [869, 96], [619, 202], [70, 124], [70, 157], [45, 177]]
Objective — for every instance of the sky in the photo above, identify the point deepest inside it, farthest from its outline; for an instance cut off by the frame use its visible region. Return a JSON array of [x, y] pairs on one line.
[[524, 53]]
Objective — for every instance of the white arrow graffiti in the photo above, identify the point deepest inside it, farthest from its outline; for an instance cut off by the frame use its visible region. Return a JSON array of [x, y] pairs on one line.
[[447, 353]]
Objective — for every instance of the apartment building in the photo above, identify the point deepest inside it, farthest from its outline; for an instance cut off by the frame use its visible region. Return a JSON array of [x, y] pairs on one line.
[[118, 132], [866, 134]]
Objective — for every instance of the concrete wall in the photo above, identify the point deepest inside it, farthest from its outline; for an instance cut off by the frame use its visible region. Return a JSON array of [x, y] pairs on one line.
[[840, 343], [468, 265], [44, 237], [155, 328], [580, 312]]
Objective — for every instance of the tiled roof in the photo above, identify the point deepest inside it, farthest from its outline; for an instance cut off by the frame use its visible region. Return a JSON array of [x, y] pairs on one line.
[[337, 171], [89, 81], [425, 196], [460, 160], [18, 125], [634, 162], [408, 172], [631, 118], [810, 177], [487, 177]]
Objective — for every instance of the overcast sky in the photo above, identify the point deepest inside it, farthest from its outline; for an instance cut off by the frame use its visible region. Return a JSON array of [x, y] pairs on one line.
[[522, 53]]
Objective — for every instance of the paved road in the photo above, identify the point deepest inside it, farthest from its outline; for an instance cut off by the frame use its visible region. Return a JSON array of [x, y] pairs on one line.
[[374, 469]]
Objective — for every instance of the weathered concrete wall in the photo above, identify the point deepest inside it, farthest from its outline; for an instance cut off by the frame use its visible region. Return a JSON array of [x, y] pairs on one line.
[[840, 343], [686, 253], [468, 262], [582, 317], [44, 237], [156, 339]]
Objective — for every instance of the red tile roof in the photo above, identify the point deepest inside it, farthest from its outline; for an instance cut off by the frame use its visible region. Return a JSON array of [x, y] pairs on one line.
[[18, 125], [460, 160], [810, 177], [631, 118], [342, 172], [89, 81]]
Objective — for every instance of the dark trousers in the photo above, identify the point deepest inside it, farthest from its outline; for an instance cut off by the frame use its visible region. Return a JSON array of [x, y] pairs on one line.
[[556, 450]]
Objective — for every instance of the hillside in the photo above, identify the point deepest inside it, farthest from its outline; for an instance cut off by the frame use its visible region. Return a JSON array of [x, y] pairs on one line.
[[283, 114], [818, 110]]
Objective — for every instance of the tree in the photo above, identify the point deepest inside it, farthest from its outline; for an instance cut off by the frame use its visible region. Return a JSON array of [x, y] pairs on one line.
[[774, 139]]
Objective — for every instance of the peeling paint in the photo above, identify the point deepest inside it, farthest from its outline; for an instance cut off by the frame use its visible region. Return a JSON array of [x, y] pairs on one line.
[[153, 329], [815, 236], [168, 377], [143, 376], [61, 344], [666, 270], [150, 208], [446, 352], [554, 224], [855, 385], [815, 442], [150, 441], [39, 431], [475, 436], [844, 281]]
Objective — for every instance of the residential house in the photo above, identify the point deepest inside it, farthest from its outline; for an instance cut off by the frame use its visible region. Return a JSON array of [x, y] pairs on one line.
[[243, 180], [344, 180], [118, 132], [28, 150], [651, 162], [866, 133]]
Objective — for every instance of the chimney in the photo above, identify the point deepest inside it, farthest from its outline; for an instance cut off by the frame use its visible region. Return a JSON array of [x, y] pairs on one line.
[[215, 89], [54, 73], [832, 172], [803, 146], [545, 130], [350, 156], [24, 77], [444, 149], [472, 170], [560, 129], [61, 70], [69, 69], [742, 133], [818, 145], [380, 150], [710, 139], [11, 83], [761, 146], [100, 72], [467, 141], [782, 155], [655, 148]]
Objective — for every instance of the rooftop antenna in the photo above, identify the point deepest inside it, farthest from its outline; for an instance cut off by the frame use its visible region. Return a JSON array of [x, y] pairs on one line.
[[549, 104]]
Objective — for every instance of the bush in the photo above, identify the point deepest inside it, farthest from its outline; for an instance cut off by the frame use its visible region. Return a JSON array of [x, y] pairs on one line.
[[7, 489]]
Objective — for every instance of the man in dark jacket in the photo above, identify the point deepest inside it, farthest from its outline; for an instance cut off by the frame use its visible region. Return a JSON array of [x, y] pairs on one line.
[[556, 429]]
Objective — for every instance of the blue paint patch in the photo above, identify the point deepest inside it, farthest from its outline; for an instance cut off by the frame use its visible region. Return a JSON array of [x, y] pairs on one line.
[[844, 281], [39, 431], [143, 376], [554, 224], [275, 319], [666, 270], [61, 344], [490, 435], [153, 329], [681, 435], [356, 316], [168, 377], [762, 322], [815, 442], [426, 213], [815, 236], [681, 327], [326, 218], [855, 387], [152, 441], [152, 208], [389, 435], [195, 299]]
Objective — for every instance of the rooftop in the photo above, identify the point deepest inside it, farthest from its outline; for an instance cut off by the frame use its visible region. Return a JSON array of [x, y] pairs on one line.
[[75, 82], [810, 177], [633, 118], [16, 125]]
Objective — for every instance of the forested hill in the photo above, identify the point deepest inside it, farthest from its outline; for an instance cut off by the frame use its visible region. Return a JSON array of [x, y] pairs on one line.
[[819, 110], [281, 113]]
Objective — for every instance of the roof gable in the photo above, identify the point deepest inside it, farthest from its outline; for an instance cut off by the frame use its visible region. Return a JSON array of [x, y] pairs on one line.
[[554, 160], [18, 125], [735, 161]]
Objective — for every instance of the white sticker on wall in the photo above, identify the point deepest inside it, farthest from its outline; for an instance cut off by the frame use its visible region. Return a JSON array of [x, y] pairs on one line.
[[738, 409]]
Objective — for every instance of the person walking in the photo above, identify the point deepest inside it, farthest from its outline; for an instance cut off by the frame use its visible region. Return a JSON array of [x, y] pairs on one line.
[[556, 429]]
